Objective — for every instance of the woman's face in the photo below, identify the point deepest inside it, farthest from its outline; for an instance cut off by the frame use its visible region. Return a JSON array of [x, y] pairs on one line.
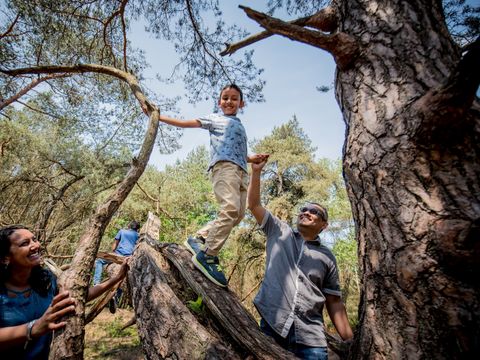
[[24, 250]]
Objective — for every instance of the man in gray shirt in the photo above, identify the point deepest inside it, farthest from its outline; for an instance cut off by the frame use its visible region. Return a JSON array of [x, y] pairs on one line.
[[301, 277]]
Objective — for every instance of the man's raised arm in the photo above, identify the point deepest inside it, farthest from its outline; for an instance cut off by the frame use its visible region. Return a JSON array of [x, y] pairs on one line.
[[253, 198]]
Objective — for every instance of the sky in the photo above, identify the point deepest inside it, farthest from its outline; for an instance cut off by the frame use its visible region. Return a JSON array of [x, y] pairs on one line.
[[292, 72]]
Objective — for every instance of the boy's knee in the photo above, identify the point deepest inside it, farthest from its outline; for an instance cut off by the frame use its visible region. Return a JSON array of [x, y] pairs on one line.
[[233, 214]]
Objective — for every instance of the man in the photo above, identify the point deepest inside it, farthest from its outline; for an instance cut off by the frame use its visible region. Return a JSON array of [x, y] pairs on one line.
[[301, 277], [123, 244]]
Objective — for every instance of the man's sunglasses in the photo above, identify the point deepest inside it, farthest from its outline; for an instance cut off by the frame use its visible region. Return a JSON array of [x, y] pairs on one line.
[[312, 210]]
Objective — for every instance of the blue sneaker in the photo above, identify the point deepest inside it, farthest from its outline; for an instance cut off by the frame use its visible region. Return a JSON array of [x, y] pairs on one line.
[[208, 265], [194, 244]]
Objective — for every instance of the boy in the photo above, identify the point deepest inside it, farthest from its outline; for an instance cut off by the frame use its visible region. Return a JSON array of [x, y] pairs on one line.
[[228, 166]]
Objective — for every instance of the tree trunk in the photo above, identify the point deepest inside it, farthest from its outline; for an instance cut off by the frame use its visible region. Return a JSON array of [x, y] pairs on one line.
[[68, 342], [412, 173], [221, 329]]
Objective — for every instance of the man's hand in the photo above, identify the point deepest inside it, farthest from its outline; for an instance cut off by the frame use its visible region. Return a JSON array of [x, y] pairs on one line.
[[258, 158], [258, 166]]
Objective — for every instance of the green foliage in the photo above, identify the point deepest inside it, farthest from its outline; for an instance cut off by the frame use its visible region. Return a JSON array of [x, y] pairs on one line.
[[50, 179], [181, 196], [196, 306]]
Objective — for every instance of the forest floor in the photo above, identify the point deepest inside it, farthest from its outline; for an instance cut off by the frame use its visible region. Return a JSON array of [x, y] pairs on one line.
[[104, 338]]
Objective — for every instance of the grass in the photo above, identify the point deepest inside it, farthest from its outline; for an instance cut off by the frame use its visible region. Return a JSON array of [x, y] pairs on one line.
[[104, 338]]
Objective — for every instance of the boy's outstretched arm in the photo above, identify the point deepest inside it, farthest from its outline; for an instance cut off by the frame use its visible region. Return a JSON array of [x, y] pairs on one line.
[[253, 197], [194, 123]]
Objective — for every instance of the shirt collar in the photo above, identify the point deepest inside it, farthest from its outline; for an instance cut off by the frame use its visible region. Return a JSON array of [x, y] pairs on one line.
[[315, 241]]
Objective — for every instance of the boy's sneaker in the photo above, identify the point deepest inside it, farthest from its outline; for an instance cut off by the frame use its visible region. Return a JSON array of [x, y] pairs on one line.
[[209, 266], [194, 244]]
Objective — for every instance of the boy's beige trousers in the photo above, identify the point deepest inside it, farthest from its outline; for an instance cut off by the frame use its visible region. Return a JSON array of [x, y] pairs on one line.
[[230, 185]]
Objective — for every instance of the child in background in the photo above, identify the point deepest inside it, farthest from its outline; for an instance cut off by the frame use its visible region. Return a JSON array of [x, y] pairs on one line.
[[228, 166]]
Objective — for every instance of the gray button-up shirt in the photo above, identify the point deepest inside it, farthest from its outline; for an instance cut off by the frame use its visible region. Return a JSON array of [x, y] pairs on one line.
[[228, 139], [297, 275]]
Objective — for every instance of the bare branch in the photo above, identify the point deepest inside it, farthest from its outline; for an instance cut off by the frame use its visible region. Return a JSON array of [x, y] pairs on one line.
[[342, 46], [121, 12], [29, 87], [10, 28], [231, 48], [324, 20], [39, 110], [124, 32], [198, 34], [85, 68]]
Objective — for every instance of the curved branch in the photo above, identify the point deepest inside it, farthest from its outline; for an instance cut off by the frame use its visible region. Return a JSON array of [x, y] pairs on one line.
[[324, 20], [68, 342], [130, 79], [342, 46]]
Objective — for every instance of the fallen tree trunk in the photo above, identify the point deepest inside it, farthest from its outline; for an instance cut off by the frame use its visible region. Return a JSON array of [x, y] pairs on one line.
[[163, 279]]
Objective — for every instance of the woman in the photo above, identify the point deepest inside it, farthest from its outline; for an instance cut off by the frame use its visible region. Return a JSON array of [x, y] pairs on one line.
[[30, 308]]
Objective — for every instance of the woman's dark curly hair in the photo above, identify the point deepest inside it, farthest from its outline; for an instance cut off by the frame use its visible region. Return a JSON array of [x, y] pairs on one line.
[[40, 278]]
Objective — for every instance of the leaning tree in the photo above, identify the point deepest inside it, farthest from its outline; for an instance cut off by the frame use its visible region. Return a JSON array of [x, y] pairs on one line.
[[411, 157]]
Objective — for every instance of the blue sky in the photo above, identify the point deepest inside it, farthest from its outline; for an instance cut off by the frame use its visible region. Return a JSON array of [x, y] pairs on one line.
[[292, 72]]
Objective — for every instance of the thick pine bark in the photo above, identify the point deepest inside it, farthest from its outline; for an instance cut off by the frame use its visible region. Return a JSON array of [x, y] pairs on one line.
[[167, 328], [415, 198]]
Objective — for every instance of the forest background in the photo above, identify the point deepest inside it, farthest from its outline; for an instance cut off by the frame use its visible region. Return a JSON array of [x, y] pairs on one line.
[[65, 145], [68, 155]]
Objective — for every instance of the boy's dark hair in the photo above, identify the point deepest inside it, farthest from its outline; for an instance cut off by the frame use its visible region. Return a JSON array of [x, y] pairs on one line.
[[233, 86], [134, 225], [40, 278]]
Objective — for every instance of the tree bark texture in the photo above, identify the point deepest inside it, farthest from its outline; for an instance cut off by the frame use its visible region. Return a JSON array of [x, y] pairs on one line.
[[413, 184], [162, 283]]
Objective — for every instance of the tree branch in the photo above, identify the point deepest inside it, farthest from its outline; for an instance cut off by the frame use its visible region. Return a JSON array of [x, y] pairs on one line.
[[29, 87], [198, 34], [442, 109], [85, 68], [342, 46], [10, 28], [124, 32], [324, 20], [68, 343]]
